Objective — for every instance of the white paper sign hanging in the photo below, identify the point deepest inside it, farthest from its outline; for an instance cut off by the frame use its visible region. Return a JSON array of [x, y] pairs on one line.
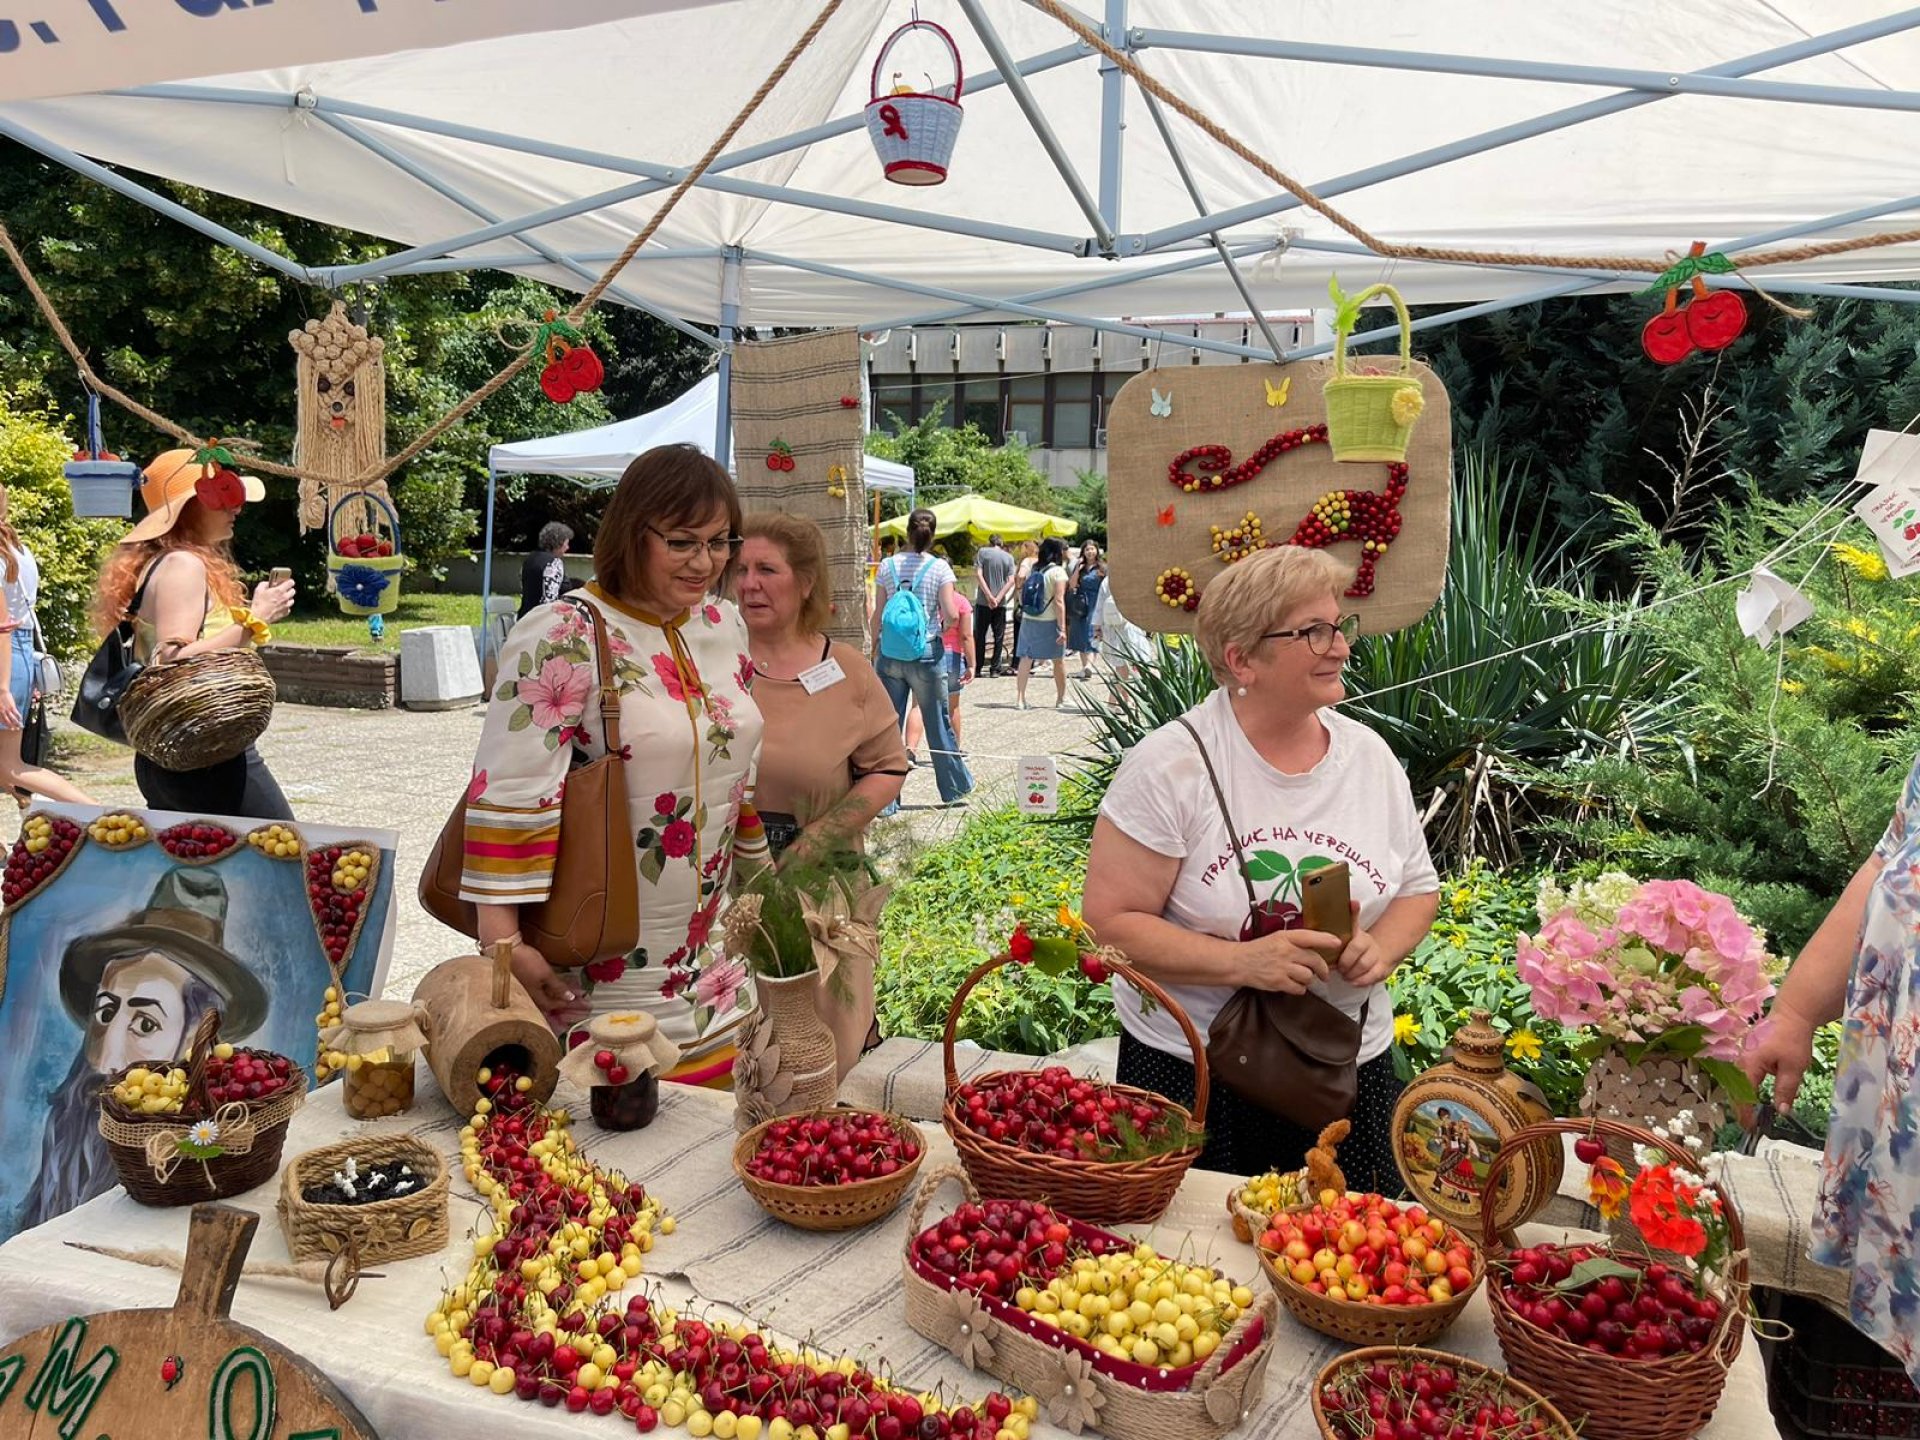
[[1890, 462], [1039, 785], [1769, 607]]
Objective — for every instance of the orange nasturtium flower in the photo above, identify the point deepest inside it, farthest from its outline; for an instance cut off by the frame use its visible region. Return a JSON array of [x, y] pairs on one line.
[[1607, 1186]]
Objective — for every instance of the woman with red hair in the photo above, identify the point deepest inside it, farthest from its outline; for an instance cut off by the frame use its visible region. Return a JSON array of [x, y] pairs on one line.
[[174, 576]]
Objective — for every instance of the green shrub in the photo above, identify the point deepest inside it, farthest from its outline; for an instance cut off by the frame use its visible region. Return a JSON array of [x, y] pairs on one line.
[[33, 447], [1466, 964], [928, 943]]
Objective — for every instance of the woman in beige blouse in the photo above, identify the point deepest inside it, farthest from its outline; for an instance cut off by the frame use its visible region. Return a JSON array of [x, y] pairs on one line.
[[831, 756]]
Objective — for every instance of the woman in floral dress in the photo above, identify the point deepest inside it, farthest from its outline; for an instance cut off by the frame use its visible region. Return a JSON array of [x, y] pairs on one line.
[[691, 733], [1860, 967]]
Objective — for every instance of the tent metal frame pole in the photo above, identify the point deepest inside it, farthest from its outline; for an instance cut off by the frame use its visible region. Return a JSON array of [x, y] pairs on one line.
[[941, 292], [1113, 114], [1504, 135], [1106, 280], [455, 264], [486, 574], [407, 165], [731, 274], [172, 209], [1612, 77], [1200, 203], [1103, 236]]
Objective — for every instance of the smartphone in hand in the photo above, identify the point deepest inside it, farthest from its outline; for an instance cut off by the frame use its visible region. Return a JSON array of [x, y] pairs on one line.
[[279, 575], [1325, 903]]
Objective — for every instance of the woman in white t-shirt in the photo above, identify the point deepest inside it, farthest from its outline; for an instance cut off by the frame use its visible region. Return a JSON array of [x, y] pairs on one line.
[[1307, 786]]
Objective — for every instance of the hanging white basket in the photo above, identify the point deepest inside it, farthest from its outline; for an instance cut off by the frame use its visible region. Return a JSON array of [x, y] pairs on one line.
[[914, 132]]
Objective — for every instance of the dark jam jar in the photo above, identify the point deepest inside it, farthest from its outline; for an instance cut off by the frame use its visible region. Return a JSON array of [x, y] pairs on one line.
[[631, 1106]]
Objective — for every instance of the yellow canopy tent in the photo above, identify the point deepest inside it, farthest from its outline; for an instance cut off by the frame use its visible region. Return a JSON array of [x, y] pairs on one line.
[[981, 517]]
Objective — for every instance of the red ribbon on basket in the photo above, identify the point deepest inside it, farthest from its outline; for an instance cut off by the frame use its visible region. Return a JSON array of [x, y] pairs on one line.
[[890, 122]]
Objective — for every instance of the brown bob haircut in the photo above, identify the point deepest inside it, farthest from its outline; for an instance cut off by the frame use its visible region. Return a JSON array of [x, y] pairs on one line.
[[805, 549], [670, 486]]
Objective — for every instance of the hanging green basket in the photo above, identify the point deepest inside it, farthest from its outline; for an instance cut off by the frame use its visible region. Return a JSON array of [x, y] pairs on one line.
[[364, 581], [1371, 417]]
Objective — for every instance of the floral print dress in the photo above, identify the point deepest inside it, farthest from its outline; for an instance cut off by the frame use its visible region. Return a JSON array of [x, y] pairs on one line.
[[691, 733], [1869, 1206]]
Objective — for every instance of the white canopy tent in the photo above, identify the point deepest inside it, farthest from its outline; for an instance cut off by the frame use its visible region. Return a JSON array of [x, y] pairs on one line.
[[1603, 128], [599, 455]]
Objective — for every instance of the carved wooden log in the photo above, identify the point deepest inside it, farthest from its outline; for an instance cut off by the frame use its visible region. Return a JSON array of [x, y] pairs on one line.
[[480, 1016]]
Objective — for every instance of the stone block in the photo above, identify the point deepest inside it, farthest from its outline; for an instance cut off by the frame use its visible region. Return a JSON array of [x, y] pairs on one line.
[[438, 668]]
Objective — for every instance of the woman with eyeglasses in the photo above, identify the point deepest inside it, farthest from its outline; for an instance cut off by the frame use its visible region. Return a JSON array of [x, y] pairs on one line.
[[1305, 787], [691, 731]]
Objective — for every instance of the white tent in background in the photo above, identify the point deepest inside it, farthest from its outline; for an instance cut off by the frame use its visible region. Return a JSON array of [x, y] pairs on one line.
[[599, 455]]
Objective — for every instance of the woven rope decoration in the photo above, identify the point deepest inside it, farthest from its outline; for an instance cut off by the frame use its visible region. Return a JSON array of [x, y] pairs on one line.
[[340, 386]]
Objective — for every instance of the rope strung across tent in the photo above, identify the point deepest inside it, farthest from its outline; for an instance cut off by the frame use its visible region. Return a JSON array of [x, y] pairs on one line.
[[381, 470], [1390, 250]]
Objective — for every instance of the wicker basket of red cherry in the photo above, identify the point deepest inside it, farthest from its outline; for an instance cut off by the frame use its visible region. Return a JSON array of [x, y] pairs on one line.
[[1390, 1390], [1632, 1346], [1104, 1331], [1098, 1151], [833, 1169], [179, 1135]]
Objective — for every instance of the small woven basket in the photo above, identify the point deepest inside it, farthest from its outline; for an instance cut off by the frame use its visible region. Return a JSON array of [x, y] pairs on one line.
[[252, 1132], [365, 584], [188, 714], [393, 1229], [914, 132], [1114, 1191], [1522, 1397], [1248, 1223], [828, 1207], [1610, 1397], [1072, 1380], [1371, 417], [1359, 1323]]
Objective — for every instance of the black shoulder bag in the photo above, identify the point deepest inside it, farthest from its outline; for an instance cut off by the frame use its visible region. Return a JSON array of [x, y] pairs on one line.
[[1292, 1055], [108, 674]]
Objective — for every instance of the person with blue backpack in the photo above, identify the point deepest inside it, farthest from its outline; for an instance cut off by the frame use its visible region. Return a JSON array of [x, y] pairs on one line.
[[914, 597], [1043, 623]]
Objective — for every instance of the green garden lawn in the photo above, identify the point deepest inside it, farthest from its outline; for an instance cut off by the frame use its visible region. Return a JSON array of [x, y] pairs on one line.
[[327, 626]]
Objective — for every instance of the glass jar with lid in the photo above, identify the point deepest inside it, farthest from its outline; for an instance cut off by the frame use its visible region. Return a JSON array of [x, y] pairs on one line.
[[378, 1041], [619, 1067]]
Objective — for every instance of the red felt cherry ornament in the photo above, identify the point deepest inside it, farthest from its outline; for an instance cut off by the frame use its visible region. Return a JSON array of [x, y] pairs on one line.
[[1665, 337], [1715, 319], [220, 489], [554, 381], [583, 368]]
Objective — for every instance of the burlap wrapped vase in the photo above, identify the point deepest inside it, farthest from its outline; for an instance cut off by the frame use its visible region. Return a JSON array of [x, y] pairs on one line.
[[786, 1061]]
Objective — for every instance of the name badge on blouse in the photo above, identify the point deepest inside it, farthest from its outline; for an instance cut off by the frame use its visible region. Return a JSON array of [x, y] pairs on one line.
[[818, 677]]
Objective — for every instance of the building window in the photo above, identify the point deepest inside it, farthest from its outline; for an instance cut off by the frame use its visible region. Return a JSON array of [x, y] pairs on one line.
[[1072, 419], [893, 407], [1110, 383], [977, 401], [1027, 407]]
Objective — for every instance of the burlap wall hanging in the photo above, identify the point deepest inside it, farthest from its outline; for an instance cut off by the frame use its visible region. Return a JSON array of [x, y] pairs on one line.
[[797, 447], [1207, 462], [340, 382]]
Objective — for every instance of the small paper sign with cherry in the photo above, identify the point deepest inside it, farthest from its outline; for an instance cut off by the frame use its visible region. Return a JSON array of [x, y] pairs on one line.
[[1890, 462], [1039, 792]]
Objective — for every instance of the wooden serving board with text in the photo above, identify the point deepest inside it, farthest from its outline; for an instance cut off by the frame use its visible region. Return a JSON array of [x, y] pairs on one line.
[[176, 1374]]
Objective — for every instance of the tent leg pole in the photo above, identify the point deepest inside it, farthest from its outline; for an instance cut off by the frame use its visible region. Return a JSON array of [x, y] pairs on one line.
[[729, 333], [486, 577]]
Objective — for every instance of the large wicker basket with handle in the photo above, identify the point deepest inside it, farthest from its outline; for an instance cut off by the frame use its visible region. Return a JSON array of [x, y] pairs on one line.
[[1612, 1398], [148, 1150], [188, 714], [1523, 1398], [1116, 1191], [1079, 1386]]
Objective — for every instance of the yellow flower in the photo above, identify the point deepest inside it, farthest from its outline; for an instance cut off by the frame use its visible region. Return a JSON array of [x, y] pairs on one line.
[[1524, 1045], [1069, 921], [1607, 1187], [1867, 564], [1792, 687], [1459, 941], [1017, 898], [1407, 404], [1406, 1030]]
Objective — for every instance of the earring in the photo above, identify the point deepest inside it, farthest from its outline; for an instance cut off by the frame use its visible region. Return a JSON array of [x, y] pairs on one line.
[[1241, 692]]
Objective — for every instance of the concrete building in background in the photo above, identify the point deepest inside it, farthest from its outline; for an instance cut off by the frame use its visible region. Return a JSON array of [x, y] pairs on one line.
[[1048, 385]]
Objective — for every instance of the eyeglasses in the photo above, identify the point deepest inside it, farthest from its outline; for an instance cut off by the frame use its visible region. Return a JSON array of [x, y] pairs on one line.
[[720, 549], [1319, 637]]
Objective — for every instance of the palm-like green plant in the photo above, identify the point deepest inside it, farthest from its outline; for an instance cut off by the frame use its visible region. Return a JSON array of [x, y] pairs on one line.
[[1157, 690]]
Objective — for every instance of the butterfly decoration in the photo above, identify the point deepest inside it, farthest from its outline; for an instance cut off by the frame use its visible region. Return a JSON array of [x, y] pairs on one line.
[[1277, 394], [1166, 516], [1162, 404]]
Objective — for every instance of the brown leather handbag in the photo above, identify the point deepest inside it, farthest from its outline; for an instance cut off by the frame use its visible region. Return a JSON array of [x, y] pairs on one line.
[[593, 909], [1292, 1055]]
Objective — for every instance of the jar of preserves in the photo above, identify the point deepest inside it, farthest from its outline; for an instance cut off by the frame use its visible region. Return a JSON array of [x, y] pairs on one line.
[[619, 1066], [379, 1041]]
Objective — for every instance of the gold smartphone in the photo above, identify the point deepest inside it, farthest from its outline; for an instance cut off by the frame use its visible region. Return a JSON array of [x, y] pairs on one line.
[[1325, 904], [279, 575]]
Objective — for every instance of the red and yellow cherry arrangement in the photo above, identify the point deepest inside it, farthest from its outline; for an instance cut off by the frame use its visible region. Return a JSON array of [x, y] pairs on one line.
[[1054, 1112], [1372, 1251], [1621, 1305], [837, 1150], [1401, 1394], [539, 1317], [232, 1074]]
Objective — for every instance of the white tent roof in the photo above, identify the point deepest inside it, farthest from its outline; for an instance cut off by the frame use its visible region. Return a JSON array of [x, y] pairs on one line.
[[1720, 120], [600, 454]]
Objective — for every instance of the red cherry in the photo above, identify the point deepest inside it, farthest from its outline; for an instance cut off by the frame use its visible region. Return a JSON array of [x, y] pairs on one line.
[[1665, 338], [1588, 1149], [1715, 320], [554, 381]]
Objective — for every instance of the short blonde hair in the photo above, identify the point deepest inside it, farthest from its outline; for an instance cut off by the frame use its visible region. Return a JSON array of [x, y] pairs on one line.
[[1256, 594], [804, 545]]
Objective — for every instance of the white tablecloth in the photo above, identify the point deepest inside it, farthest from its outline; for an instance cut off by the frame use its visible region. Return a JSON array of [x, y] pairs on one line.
[[842, 1290]]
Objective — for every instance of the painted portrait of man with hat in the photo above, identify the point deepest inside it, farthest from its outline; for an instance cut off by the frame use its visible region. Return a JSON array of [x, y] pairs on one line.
[[137, 989]]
